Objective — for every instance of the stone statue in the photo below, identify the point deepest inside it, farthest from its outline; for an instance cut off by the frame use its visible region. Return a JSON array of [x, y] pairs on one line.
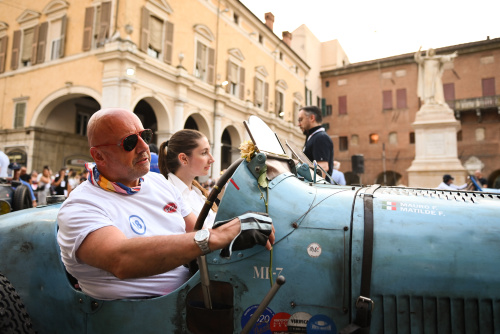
[[430, 71]]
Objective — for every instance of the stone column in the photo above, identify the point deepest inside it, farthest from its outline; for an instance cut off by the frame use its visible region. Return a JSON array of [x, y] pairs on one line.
[[216, 152], [120, 63], [117, 92], [178, 115], [184, 81]]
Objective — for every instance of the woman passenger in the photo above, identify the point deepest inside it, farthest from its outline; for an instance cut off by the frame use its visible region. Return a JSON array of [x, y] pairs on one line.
[[183, 158]]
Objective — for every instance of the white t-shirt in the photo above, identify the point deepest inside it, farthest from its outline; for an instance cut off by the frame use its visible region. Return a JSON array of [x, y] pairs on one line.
[[4, 164], [444, 186], [194, 198], [157, 209]]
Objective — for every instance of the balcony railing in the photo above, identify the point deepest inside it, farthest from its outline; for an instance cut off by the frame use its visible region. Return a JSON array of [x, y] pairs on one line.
[[475, 103]]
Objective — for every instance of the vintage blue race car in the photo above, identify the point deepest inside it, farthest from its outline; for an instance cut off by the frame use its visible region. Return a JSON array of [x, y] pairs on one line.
[[383, 259]]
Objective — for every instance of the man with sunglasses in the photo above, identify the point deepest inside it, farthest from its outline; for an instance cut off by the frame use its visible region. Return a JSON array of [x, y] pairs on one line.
[[126, 233]]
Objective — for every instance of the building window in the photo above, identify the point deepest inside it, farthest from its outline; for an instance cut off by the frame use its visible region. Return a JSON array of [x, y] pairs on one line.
[[236, 80], [236, 18], [96, 25], [401, 98], [343, 105], [354, 140], [488, 87], [157, 36], [155, 32], [26, 48], [449, 91], [281, 55], [343, 143], [261, 39], [387, 100], [327, 83], [412, 137], [328, 109], [279, 104], [373, 138], [82, 119], [56, 38], [205, 61], [480, 134], [19, 115], [233, 78], [261, 93], [393, 138], [32, 44]]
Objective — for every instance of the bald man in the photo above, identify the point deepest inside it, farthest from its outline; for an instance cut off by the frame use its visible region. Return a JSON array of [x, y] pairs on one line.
[[126, 233]]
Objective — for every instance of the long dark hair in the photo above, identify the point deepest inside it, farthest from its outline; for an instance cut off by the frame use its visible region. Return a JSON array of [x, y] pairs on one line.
[[183, 141]]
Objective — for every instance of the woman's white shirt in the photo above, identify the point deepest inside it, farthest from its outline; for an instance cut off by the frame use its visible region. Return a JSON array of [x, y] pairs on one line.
[[194, 198]]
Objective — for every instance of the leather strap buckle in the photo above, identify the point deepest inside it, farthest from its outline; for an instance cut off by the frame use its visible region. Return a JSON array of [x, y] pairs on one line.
[[365, 300]]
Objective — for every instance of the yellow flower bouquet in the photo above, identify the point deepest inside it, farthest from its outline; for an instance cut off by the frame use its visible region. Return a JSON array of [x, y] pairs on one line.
[[247, 150]]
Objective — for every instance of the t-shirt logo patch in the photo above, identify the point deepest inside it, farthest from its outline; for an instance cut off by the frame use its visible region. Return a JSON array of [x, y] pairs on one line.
[[137, 224], [170, 208]]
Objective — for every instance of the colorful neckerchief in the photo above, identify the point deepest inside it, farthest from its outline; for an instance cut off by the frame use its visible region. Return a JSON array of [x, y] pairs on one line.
[[100, 181]]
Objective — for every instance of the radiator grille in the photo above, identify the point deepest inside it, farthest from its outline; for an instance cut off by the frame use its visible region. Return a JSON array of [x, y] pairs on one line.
[[416, 314]]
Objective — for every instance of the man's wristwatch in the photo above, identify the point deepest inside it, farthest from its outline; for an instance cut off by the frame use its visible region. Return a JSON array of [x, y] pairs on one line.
[[201, 238]]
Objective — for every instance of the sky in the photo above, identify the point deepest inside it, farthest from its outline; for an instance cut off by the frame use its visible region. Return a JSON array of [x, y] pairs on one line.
[[371, 29]]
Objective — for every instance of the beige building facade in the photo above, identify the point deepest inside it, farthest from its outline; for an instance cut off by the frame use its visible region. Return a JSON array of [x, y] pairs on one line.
[[199, 64], [321, 56]]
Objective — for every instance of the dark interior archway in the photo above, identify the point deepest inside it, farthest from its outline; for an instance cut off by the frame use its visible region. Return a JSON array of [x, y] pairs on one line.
[[225, 152], [191, 124], [147, 116]]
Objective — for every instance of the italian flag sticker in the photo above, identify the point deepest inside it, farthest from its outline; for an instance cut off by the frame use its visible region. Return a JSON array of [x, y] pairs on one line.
[[389, 205]]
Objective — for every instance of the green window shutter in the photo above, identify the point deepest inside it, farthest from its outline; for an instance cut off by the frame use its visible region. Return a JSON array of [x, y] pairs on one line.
[[19, 116]]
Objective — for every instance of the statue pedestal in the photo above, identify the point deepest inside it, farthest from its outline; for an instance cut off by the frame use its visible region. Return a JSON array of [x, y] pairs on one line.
[[435, 147]]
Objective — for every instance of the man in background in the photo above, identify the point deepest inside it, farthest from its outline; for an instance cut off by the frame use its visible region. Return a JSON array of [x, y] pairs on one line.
[[319, 145], [447, 183]]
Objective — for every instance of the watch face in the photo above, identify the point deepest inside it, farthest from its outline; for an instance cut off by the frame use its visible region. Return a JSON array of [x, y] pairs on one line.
[[202, 235]]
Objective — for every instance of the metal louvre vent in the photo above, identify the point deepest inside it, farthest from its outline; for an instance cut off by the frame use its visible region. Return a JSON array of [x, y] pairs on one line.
[[457, 195], [429, 315]]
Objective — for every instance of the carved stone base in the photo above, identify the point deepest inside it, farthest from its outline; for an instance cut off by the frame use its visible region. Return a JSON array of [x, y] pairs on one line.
[[435, 148]]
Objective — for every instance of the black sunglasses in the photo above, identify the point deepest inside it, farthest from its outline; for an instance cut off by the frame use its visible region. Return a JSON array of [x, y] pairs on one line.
[[130, 142]]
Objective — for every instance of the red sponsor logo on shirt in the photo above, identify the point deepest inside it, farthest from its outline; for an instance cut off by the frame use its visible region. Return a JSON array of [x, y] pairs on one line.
[[170, 208]]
